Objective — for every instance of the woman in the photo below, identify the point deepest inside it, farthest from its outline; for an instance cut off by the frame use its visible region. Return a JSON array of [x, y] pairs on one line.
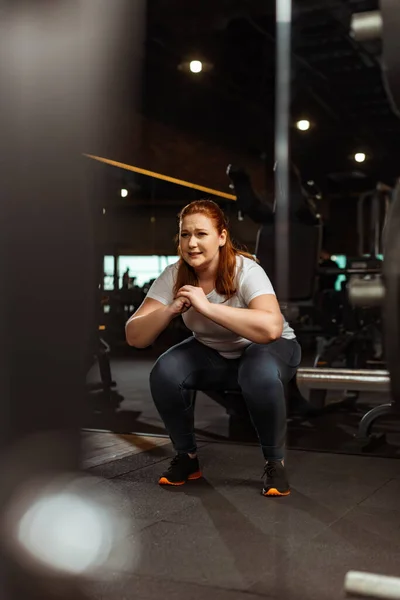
[[240, 341]]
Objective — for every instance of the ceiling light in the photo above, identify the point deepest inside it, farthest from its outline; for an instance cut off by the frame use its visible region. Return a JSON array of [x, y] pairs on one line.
[[303, 125], [360, 157], [124, 193], [196, 66]]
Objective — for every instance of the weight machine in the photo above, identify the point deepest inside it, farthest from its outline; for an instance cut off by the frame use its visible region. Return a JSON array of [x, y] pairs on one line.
[[385, 291]]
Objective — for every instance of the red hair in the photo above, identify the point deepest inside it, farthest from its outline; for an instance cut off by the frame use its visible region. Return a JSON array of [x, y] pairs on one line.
[[226, 274]]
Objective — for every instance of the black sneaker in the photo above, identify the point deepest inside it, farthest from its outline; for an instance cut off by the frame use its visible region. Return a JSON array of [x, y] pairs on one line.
[[181, 469], [275, 482]]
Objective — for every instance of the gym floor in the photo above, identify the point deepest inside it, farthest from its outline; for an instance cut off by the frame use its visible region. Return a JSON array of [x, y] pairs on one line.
[[218, 536]]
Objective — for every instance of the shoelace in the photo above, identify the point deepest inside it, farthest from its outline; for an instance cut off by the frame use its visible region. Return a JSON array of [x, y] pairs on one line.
[[174, 461], [269, 470]]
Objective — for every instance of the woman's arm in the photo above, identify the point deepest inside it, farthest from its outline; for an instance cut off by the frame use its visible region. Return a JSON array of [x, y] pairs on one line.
[[261, 322], [150, 319]]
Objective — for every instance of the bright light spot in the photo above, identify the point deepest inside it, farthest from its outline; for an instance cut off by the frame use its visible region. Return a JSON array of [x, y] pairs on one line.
[[196, 66], [360, 157], [76, 526], [104, 211], [65, 532], [283, 11], [124, 193], [303, 125], [310, 182]]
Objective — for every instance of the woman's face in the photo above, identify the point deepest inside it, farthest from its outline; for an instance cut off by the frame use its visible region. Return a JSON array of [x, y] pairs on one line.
[[199, 242]]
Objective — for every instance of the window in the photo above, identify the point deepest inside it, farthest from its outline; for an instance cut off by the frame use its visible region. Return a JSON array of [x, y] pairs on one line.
[[142, 268], [108, 270]]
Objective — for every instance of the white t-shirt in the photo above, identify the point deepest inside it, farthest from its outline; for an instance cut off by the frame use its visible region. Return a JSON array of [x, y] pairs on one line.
[[251, 281]]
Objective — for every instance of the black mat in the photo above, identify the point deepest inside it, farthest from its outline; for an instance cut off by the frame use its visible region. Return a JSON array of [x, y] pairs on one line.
[[130, 409], [219, 537]]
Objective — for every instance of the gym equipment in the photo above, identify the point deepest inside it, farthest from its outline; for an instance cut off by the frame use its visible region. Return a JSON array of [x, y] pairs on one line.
[[367, 26], [101, 355], [367, 290], [247, 200], [355, 340], [385, 23], [372, 585], [305, 231], [345, 379], [375, 205], [366, 293]]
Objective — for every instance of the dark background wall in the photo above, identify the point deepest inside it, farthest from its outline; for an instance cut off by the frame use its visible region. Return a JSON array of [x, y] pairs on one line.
[[146, 221]]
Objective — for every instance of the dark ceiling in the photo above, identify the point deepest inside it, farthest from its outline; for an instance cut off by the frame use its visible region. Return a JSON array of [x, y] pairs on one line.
[[336, 84]]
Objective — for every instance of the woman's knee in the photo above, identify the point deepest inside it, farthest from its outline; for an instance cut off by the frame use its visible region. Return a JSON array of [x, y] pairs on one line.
[[165, 371], [270, 364], [259, 371], [264, 377]]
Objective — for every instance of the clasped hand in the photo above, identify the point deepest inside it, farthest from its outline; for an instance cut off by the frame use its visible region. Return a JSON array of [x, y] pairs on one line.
[[196, 297]]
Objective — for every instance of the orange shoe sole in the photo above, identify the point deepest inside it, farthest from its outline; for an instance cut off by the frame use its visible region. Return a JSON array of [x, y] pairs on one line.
[[274, 492], [165, 481]]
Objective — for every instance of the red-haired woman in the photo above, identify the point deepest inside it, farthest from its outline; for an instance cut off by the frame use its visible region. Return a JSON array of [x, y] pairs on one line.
[[240, 341]]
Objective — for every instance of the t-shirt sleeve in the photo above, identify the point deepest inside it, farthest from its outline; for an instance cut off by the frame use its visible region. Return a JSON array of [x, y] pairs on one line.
[[163, 287], [254, 282]]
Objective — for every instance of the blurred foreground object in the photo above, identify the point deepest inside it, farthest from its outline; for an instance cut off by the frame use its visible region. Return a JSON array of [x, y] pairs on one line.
[[59, 98], [371, 585]]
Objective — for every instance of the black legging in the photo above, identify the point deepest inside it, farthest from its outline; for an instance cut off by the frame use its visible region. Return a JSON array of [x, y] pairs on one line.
[[260, 374]]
